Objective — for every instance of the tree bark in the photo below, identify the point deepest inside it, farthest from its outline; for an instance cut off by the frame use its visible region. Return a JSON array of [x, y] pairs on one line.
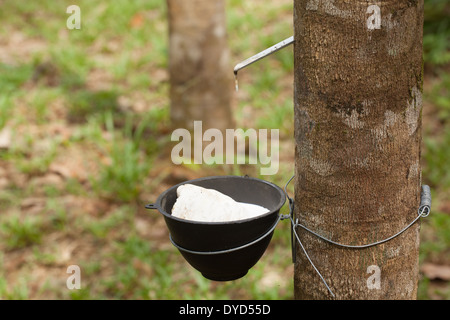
[[199, 64], [358, 106]]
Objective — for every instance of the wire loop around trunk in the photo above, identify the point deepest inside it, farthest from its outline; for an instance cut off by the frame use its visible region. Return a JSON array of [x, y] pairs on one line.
[[423, 211]]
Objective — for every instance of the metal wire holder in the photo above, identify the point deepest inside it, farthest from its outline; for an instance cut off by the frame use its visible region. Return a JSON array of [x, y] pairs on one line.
[[423, 211]]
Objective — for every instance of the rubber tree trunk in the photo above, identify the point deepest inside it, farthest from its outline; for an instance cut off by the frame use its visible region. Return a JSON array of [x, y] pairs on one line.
[[199, 64], [358, 106]]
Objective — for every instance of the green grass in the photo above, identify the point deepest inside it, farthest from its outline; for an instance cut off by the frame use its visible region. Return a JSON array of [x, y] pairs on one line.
[[436, 40], [437, 171], [18, 233], [85, 103], [80, 79], [5, 109], [440, 96], [124, 177]]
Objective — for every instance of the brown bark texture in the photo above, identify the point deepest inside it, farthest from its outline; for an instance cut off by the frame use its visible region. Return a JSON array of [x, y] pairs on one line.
[[358, 106], [199, 64]]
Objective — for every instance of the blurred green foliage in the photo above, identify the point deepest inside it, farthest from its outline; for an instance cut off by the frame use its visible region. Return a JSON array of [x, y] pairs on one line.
[[436, 39], [436, 43]]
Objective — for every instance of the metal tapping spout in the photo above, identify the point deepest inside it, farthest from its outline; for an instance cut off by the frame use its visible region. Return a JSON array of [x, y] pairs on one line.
[[259, 56]]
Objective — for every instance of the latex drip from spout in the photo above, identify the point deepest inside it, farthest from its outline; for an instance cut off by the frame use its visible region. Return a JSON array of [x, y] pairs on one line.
[[260, 56]]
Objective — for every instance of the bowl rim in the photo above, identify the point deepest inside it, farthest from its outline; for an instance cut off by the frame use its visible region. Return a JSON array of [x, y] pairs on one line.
[[169, 215]]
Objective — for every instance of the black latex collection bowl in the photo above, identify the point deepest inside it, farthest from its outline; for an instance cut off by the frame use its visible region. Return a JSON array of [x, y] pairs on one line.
[[199, 242]]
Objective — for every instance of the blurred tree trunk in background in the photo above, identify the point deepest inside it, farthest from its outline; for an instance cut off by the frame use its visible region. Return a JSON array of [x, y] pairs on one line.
[[358, 103], [199, 64]]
